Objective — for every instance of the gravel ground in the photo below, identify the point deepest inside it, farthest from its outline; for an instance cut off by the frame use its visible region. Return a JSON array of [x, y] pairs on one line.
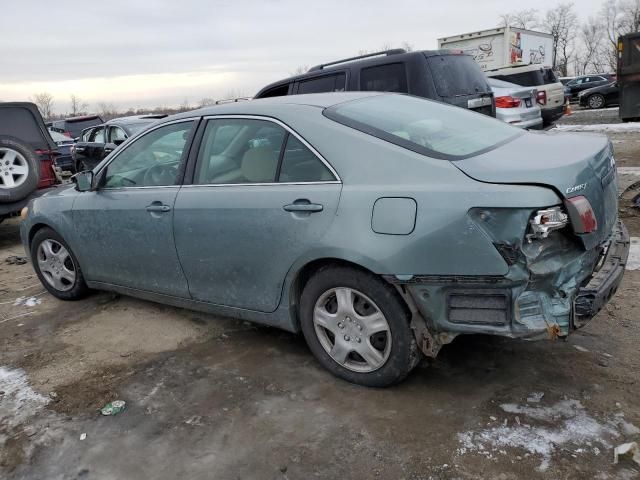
[[209, 397]]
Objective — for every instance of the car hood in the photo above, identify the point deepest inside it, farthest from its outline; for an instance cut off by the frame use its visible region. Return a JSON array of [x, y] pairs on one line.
[[570, 164]]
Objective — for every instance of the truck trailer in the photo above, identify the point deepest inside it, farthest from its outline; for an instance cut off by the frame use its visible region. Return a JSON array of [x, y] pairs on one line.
[[503, 47]]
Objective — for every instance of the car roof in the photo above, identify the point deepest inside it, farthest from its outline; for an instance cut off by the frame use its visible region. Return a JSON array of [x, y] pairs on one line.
[[364, 61], [133, 119], [516, 69], [257, 106]]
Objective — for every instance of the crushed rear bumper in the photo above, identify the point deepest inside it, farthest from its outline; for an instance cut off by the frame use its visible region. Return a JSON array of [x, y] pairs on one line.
[[604, 282]]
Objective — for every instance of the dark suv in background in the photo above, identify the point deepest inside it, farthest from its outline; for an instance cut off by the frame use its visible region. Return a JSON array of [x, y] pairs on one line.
[[27, 155], [97, 142], [585, 82], [73, 126], [445, 75]]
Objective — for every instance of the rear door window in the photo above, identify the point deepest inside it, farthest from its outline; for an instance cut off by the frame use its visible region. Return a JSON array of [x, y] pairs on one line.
[[384, 78], [534, 78], [327, 83], [97, 135], [456, 75]]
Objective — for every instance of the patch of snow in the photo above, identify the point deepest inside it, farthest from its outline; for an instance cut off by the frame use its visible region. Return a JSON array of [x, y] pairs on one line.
[[27, 301], [565, 423], [633, 262], [601, 127], [594, 111], [19, 402]]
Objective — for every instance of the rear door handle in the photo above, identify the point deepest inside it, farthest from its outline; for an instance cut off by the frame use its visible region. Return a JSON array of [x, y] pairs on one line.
[[303, 207], [158, 207]]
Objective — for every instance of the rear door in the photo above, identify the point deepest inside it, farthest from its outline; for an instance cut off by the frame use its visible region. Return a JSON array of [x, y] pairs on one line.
[[260, 198], [90, 152]]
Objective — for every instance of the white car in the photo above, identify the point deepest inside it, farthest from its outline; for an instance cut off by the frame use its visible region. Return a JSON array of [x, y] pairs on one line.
[[516, 105]]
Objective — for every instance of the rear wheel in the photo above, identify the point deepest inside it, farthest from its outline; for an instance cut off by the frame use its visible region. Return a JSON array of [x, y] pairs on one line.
[[56, 266], [357, 327], [19, 169], [595, 101]]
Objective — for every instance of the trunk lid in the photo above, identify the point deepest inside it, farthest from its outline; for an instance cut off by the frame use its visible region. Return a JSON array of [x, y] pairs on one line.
[[571, 164]]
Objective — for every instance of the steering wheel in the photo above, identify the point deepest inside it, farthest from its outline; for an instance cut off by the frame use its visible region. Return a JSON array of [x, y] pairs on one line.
[[161, 174]]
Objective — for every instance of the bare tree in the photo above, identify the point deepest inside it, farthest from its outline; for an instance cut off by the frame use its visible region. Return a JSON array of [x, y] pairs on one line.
[[629, 16], [561, 22], [299, 70], [184, 106], [407, 46], [205, 102], [77, 105], [107, 110], [590, 38], [44, 101], [527, 19]]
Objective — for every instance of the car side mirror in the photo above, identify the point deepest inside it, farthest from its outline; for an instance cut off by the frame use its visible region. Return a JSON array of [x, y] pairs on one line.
[[118, 141], [83, 181]]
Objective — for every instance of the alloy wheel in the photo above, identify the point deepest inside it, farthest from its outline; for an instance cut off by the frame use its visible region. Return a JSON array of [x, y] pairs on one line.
[[14, 168], [56, 265], [596, 101], [352, 329]]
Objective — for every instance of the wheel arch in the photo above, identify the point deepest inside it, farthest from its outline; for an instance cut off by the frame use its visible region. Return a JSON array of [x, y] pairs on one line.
[[307, 270]]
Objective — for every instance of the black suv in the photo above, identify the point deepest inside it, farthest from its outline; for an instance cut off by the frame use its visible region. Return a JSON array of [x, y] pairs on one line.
[[27, 155], [72, 126], [445, 75], [97, 142]]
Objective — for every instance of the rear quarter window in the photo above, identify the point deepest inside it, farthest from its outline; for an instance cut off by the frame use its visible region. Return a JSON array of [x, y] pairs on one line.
[[455, 75], [384, 78], [434, 129]]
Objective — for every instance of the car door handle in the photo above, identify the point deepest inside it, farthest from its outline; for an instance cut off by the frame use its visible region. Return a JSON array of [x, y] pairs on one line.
[[158, 207], [303, 207]]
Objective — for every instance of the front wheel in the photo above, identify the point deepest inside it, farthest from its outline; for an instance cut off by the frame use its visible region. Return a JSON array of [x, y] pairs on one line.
[[357, 327], [56, 266], [595, 101]]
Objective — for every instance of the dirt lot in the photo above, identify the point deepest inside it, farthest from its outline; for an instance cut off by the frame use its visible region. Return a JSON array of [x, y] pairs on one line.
[[216, 398]]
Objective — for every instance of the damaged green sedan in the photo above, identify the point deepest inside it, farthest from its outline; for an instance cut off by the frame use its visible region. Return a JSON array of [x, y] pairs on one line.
[[380, 225]]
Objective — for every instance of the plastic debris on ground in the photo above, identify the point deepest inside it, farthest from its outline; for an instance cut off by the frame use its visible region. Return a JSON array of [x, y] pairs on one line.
[[113, 408], [535, 397], [627, 451], [15, 260]]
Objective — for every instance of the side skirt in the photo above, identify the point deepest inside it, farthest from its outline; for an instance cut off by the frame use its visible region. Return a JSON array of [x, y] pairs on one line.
[[279, 319]]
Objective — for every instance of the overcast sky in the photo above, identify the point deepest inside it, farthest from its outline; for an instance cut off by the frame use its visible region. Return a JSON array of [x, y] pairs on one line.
[[163, 52]]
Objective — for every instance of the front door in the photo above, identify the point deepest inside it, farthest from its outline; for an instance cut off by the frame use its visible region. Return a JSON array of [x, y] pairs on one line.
[[260, 199], [124, 228]]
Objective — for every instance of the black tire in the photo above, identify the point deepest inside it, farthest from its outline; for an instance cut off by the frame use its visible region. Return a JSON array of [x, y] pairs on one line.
[[596, 101], [403, 355], [76, 290], [8, 145]]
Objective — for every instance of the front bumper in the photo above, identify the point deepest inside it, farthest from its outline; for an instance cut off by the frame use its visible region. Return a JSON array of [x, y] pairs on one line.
[[548, 297]]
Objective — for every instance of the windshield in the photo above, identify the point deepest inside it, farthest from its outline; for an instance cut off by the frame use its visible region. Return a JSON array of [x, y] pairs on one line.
[[431, 128]]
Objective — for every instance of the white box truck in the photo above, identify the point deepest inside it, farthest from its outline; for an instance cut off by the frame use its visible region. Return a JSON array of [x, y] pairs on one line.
[[502, 47]]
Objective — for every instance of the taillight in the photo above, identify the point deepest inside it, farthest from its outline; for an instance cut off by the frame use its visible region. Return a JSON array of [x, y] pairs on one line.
[[541, 98], [582, 215], [507, 102]]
